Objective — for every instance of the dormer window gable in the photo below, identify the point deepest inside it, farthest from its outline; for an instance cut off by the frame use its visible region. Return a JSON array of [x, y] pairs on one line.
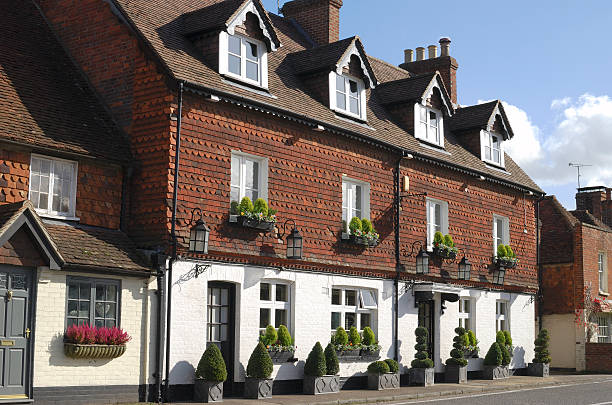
[[492, 139], [429, 115]]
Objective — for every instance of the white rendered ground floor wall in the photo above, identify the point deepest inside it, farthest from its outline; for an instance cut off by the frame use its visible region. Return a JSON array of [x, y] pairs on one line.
[[309, 317]]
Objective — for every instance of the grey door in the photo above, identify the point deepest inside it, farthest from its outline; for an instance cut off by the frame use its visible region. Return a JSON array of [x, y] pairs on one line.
[[221, 313], [14, 331]]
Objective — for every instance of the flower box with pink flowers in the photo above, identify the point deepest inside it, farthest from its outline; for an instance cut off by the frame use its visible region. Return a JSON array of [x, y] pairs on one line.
[[89, 342]]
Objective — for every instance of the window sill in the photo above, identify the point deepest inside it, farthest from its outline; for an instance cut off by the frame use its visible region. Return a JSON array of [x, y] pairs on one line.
[[604, 293], [346, 116], [244, 85], [55, 216], [433, 146]]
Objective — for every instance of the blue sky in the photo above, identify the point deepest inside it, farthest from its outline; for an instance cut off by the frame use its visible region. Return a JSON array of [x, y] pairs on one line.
[[526, 53]]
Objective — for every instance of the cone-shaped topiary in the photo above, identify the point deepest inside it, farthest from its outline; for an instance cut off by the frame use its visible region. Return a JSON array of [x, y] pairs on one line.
[[542, 355], [494, 356], [260, 205], [508, 338], [331, 360], [234, 208], [438, 238], [448, 241], [355, 225], [211, 366], [506, 358], [421, 358], [509, 251], [284, 337], [315, 363], [459, 345], [366, 225], [270, 336], [501, 251], [378, 367], [260, 364], [472, 338], [246, 205], [354, 336], [340, 337], [393, 365], [500, 338], [369, 338]]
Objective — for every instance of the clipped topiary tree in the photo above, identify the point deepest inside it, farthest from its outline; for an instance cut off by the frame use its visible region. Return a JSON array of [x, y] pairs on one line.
[[438, 238], [260, 206], [212, 366], [331, 360], [448, 241], [315, 363], [234, 208], [494, 355], [421, 358], [369, 338], [508, 338], [542, 354], [393, 365], [354, 336], [500, 338], [284, 337], [501, 251], [509, 251], [340, 337], [366, 225], [378, 367], [246, 205], [270, 336], [472, 338], [355, 225], [460, 342], [260, 364]]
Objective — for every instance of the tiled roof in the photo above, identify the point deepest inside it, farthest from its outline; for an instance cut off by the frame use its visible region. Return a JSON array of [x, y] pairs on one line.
[[157, 21], [477, 116], [408, 89], [44, 100], [586, 217]]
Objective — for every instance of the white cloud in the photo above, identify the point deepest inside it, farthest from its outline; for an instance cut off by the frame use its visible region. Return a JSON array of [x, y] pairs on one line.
[[560, 102]]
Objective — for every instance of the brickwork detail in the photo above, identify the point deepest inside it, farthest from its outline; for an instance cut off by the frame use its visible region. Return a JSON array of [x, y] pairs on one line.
[[599, 357], [319, 18], [21, 250]]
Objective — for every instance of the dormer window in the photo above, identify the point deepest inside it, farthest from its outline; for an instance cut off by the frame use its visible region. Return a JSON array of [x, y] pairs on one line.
[[347, 95], [428, 126], [244, 59], [491, 148]]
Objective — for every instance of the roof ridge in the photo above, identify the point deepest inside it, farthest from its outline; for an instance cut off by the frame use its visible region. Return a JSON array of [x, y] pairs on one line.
[[391, 65]]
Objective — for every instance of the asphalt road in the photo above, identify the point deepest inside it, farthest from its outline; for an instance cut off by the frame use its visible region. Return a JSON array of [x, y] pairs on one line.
[[588, 393]]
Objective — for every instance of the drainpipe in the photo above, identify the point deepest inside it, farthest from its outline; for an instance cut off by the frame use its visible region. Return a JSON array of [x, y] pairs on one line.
[[160, 327], [540, 275], [398, 266], [177, 161]]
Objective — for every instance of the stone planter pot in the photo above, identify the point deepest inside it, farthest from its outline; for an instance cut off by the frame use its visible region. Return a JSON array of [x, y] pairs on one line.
[[207, 391], [422, 377], [495, 372], [255, 388], [475, 364], [79, 351], [328, 384], [444, 254], [256, 224], [538, 369], [281, 357], [387, 381], [455, 374]]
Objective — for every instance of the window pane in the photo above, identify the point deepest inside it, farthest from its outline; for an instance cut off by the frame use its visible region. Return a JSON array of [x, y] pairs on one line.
[[438, 217], [368, 298], [100, 293], [350, 319], [340, 84], [264, 317], [252, 71], [251, 51], [354, 105], [366, 320], [335, 296], [340, 101], [264, 292], [335, 320], [487, 153], [235, 171], [73, 291], [73, 308], [357, 196], [83, 309], [281, 293], [234, 45], [433, 119], [423, 114], [233, 64], [280, 318], [496, 156], [252, 174], [350, 298]]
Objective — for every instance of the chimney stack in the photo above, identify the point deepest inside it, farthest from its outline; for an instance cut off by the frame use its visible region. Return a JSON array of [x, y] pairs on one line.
[[420, 51], [408, 54], [445, 46], [433, 51], [596, 200], [318, 18]]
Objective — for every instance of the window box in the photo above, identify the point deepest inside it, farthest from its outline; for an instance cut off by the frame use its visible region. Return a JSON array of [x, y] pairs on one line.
[[281, 357], [445, 253], [506, 262], [83, 351], [349, 355], [470, 354], [370, 355], [261, 225], [366, 241]]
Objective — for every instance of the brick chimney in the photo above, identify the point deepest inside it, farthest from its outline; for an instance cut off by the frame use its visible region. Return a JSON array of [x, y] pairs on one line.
[[445, 64], [596, 200], [319, 18]]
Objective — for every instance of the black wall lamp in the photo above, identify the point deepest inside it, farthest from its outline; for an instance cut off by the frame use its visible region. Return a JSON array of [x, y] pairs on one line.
[[294, 241], [422, 258], [198, 236], [465, 269]]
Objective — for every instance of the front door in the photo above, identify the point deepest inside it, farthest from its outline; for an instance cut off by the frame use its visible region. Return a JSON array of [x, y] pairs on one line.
[[15, 288], [426, 320], [220, 331]]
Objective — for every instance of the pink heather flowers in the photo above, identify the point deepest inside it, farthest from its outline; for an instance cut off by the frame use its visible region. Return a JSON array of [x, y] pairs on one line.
[[89, 335]]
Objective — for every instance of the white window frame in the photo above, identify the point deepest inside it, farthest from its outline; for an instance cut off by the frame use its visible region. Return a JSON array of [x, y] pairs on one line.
[[273, 304], [365, 198], [358, 309], [499, 317], [505, 232], [602, 272], [262, 59], [466, 319], [425, 135], [262, 178], [486, 141], [360, 89], [49, 212], [604, 322], [430, 204]]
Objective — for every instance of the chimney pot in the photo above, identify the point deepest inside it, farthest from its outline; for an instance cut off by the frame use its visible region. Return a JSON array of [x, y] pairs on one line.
[[420, 53], [408, 55], [445, 46], [433, 51]]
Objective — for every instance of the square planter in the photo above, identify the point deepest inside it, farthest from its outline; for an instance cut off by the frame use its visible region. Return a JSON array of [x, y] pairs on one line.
[[422, 377], [207, 391], [538, 369], [255, 388], [281, 357], [455, 374], [387, 381], [265, 226], [495, 372], [328, 384], [475, 364]]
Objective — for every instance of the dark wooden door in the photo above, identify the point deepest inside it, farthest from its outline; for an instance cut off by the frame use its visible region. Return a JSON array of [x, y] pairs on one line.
[[426, 320], [220, 330], [15, 288]]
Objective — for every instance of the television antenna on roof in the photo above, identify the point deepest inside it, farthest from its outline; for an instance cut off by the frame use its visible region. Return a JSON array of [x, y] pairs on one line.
[[578, 166]]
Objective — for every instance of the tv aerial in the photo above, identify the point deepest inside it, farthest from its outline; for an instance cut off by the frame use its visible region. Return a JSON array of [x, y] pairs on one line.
[[578, 166]]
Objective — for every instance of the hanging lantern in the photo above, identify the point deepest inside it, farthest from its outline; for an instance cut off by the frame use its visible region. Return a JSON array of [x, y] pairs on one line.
[[422, 262], [198, 238], [465, 269], [294, 244], [499, 274]]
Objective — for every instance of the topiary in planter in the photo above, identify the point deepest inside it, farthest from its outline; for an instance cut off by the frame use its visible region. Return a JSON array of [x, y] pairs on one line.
[[542, 355], [315, 363], [460, 342], [284, 337], [438, 238], [366, 225], [378, 367], [448, 241], [331, 360], [369, 338], [260, 206], [234, 208], [211, 366], [508, 338], [355, 225], [501, 251], [246, 205], [354, 336], [340, 337], [270, 336], [393, 365], [260, 364], [422, 359], [500, 339], [494, 356]]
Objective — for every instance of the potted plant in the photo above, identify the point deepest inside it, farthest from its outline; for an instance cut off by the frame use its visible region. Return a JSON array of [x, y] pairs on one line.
[[444, 247], [541, 363], [209, 376], [506, 257], [456, 366], [422, 371], [253, 215], [493, 363], [472, 348], [316, 379], [279, 344], [361, 232], [345, 349], [88, 342], [383, 375], [258, 383], [508, 343], [369, 346], [501, 339]]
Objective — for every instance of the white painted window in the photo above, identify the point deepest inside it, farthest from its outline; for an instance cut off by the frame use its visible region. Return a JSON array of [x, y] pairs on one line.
[[491, 148], [353, 307], [501, 316], [53, 185], [603, 329], [347, 95], [93, 301], [429, 124], [466, 309], [602, 271], [355, 199], [244, 59], [437, 219], [249, 177], [501, 232], [274, 305]]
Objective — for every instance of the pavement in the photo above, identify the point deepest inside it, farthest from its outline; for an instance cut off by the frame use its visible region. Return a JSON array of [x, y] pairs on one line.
[[556, 389]]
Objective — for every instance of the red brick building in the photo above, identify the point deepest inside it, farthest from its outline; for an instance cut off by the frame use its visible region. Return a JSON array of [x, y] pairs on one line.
[[576, 248]]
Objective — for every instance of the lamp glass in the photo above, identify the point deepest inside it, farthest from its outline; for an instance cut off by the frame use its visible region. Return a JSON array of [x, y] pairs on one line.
[[465, 269], [198, 237], [294, 245], [422, 262]]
